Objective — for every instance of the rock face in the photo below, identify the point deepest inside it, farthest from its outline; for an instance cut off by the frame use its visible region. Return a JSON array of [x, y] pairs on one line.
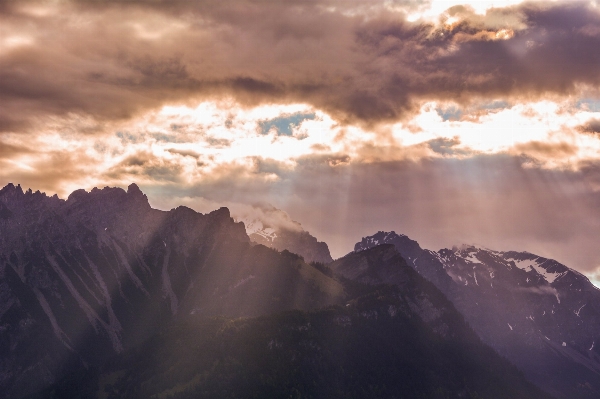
[[538, 313], [86, 278]]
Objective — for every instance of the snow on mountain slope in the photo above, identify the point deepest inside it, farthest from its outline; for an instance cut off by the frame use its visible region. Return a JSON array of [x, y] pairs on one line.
[[539, 313]]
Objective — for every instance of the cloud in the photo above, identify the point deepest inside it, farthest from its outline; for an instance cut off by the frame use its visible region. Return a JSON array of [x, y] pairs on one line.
[[594, 276], [361, 62], [184, 153], [144, 166], [9, 150], [447, 147], [50, 172], [545, 150], [266, 214], [591, 126]]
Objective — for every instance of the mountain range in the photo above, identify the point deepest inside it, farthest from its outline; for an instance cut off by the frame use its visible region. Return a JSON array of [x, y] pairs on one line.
[[103, 296]]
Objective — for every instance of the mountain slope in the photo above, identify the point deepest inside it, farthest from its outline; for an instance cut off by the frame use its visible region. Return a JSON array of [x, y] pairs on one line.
[[540, 314], [403, 341], [101, 272]]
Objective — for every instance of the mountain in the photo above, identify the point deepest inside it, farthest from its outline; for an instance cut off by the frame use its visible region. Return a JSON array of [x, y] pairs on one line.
[[102, 296], [541, 315], [405, 341], [86, 278], [275, 229]]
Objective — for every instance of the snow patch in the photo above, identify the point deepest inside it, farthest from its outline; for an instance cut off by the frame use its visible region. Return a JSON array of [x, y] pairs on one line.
[[533, 264], [472, 258], [509, 326]]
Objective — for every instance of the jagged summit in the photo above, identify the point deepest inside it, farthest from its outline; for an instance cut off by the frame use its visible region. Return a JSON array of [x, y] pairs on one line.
[[133, 189], [9, 188], [12, 191], [391, 237]]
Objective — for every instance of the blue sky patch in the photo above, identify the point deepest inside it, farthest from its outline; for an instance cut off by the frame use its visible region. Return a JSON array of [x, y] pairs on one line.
[[451, 113], [589, 104], [285, 124]]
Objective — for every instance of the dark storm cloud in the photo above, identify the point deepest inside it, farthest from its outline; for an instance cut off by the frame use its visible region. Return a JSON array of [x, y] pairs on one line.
[[359, 62]]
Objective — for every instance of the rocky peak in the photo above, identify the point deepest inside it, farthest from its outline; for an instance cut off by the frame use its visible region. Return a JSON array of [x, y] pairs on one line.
[[133, 189], [14, 198], [110, 199], [10, 190], [409, 248]]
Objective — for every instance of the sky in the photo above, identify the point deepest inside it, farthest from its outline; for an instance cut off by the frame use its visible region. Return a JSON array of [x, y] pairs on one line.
[[449, 121]]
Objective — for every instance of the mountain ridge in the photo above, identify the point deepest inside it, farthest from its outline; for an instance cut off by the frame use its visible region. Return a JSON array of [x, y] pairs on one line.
[[540, 314], [101, 271]]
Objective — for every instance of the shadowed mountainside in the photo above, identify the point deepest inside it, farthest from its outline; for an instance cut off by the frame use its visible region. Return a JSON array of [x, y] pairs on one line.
[[404, 341]]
